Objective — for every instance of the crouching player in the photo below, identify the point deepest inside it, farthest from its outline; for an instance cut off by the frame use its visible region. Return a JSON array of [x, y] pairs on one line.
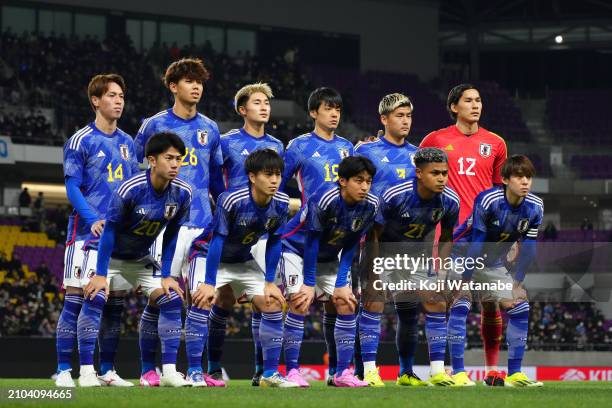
[[221, 257], [501, 217], [332, 223], [139, 210], [410, 213]]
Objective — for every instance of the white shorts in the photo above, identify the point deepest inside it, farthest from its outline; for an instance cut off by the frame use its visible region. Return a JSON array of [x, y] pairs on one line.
[[244, 278], [494, 275], [73, 266], [143, 273], [180, 262]]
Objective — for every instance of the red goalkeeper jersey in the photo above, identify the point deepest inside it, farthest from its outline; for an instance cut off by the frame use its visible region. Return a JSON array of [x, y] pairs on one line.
[[474, 162]]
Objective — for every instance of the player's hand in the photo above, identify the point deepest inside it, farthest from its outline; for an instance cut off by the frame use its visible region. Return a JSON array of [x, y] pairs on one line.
[[98, 227], [95, 285], [203, 296], [519, 294], [170, 283], [303, 298], [271, 291], [344, 296]]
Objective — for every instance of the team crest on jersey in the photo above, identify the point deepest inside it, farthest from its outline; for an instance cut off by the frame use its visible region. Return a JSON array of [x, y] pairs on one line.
[[523, 225], [202, 137], [356, 224], [436, 214], [170, 210], [293, 280], [271, 223], [485, 150], [78, 273], [343, 153], [125, 152], [91, 273]]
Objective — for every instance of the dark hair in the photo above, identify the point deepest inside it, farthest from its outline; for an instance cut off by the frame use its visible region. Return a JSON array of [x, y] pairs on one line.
[[98, 85], [262, 160], [454, 95], [518, 165], [428, 155], [162, 141], [353, 165], [328, 96], [189, 68]]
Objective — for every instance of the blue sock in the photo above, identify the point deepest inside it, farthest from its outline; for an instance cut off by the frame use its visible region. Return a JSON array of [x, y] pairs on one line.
[[456, 333], [516, 335], [66, 332], [148, 338], [169, 326], [329, 324], [435, 329], [358, 358], [271, 335], [110, 331], [369, 334], [407, 334], [88, 326], [344, 334], [255, 323], [294, 334], [216, 337], [196, 334]]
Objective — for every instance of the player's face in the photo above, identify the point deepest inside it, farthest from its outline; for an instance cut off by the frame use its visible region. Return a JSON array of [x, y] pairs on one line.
[[327, 116], [434, 176], [257, 109], [469, 107], [167, 164], [110, 104], [520, 186], [398, 122], [266, 181], [357, 187], [188, 91]]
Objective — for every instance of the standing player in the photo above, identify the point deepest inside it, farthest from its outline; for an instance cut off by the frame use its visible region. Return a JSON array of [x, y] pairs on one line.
[[330, 225], [139, 210], [252, 103], [410, 214], [501, 217], [221, 258], [475, 158], [393, 156], [97, 159]]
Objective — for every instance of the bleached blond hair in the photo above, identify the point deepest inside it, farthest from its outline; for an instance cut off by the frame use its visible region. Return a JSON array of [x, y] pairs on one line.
[[244, 93], [393, 101]]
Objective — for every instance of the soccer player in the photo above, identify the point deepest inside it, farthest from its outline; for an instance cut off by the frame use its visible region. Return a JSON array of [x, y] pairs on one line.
[[475, 157], [97, 159], [139, 210], [252, 103], [501, 217], [410, 214], [221, 257], [393, 156], [330, 225]]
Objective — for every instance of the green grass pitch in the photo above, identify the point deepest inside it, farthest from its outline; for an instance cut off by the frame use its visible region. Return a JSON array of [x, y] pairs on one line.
[[240, 393]]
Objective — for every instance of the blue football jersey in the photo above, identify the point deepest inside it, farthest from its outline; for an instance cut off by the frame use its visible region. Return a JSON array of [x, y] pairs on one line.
[[102, 162], [394, 164], [141, 214], [408, 218], [202, 140], [242, 223], [340, 225], [314, 161], [236, 145], [501, 224]]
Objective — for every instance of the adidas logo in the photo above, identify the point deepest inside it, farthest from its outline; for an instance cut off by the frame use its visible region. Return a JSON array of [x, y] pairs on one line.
[[449, 147], [101, 154], [245, 152], [406, 215], [141, 211], [385, 160], [316, 154], [496, 222]]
